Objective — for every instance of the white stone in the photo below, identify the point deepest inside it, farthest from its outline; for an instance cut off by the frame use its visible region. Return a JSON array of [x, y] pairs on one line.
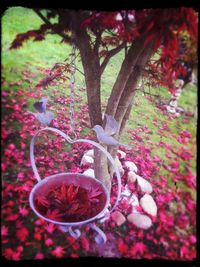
[[105, 216], [134, 200], [132, 177], [118, 217], [86, 160], [131, 166], [89, 172], [140, 220], [173, 103], [171, 109], [177, 114], [126, 192], [122, 154], [181, 82], [148, 204], [134, 203], [144, 185], [119, 166], [90, 153], [179, 109], [177, 94]]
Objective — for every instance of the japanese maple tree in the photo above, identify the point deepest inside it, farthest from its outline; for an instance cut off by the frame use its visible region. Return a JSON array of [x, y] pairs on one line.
[[100, 35]]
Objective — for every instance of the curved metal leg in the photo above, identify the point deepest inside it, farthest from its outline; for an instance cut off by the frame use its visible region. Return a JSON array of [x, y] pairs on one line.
[[76, 233], [105, 216], [64, 228], [100, 237]]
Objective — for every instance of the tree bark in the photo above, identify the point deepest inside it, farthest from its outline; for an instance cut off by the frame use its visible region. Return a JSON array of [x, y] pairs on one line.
[[126, 117], [91, 66], [92, 80], [131, 84], [125, 103], [124, 73]]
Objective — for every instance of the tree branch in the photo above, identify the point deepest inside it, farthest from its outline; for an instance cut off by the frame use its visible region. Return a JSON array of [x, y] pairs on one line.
[[124, 73], [98, 42], [67, 38], [126, 116], [129, 89], [42, 16], [110, 54]]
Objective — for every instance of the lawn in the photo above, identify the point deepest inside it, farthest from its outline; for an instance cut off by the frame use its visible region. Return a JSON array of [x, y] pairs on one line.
[[164, 149]]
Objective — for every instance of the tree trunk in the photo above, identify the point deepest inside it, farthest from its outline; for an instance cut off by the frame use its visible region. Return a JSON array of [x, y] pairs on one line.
[[125, 103], [121, 96], [125, 71], [93, 86], [126, 117], [129, 90]]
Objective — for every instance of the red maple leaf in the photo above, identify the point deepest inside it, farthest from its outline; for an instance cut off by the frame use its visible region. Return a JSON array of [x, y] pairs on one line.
[[122, 247], [4, 230], [41, 200], [50, 227], [72, 192], [11, 217], [73, 208], [22, 233], [23, 211], [54, 215], [58, 252], [66, 193], [139, 247], [93, 194]]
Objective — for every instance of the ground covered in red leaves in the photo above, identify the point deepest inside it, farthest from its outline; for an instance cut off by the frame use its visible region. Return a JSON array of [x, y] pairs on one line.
[[25, 236]]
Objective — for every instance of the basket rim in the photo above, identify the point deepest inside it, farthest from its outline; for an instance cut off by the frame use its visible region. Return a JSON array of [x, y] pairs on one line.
[[70, 224]]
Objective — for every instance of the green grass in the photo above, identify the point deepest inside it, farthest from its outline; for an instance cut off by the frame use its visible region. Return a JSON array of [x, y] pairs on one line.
[[35, 55]]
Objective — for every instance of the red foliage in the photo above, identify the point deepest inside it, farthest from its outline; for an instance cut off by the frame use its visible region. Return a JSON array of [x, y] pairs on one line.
[[22, 233], [69, 203], [37, 35], [25, 236], [58, 252], [164, 27]]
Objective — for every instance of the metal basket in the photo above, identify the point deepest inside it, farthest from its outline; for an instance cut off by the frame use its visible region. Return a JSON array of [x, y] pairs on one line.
[[77, 179]]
